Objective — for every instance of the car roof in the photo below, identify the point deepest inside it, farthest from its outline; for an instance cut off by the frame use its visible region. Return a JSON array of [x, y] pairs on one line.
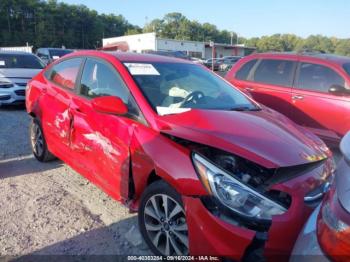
[[131, 57], [134, 57], [337, 59]]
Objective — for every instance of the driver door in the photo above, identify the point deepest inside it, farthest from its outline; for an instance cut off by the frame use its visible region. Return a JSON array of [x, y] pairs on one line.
[[99, 141]]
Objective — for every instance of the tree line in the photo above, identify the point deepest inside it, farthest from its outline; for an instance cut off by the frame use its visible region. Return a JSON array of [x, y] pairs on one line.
[[55, 24]]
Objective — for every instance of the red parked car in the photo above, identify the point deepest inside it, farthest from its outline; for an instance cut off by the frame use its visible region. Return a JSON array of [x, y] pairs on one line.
[[312, 89], [210, 171]]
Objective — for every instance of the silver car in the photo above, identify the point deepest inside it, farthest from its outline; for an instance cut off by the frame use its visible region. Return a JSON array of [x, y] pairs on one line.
[[16, 69], [326, 235]]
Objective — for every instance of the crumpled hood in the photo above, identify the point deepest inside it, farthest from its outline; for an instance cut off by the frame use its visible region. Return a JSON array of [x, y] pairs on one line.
[[264, 137]]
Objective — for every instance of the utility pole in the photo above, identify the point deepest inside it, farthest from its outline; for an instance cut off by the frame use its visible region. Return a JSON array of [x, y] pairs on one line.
[[212, 45]]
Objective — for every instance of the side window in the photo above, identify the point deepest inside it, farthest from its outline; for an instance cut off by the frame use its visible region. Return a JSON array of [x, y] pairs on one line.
[[243, 72], [275, 72], [318, 78], [100, 79], [65, 73]]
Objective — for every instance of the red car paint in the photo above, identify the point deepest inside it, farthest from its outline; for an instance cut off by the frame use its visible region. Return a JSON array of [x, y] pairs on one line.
[[110, 150], [325, 114]]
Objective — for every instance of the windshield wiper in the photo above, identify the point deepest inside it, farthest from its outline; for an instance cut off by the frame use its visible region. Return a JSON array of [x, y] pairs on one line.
[[245, 108]]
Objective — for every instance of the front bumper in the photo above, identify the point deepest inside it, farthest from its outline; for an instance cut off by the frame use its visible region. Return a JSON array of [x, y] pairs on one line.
[[306, 247], [12, 95], [210, 233]]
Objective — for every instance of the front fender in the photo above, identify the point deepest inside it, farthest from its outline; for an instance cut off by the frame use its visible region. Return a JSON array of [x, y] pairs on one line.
[[153, 152]]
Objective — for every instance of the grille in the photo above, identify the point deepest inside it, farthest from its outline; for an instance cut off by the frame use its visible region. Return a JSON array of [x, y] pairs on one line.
[[20, 92], [21, 84], [3, 98], [6, 85]]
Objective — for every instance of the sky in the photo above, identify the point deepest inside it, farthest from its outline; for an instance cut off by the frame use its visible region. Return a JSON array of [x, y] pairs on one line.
[[249, 18]]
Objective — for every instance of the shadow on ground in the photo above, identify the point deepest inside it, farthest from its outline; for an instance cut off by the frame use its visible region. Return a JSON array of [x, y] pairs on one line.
[[25, 166], [103, 244]]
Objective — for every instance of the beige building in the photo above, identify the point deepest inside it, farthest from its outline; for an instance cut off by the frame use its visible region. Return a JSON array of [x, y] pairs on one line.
[[143, 43]]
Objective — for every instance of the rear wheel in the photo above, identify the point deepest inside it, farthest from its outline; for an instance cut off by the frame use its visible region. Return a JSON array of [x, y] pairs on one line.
[[162, 220], [38, 143]]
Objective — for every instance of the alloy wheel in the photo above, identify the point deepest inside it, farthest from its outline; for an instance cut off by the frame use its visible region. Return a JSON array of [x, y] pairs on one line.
[[166, 225]]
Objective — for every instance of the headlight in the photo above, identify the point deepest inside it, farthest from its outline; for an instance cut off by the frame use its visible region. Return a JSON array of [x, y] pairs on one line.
[[234, 194]]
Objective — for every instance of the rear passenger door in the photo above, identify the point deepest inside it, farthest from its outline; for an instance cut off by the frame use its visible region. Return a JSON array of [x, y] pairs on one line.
[[55, 103], [270, 83], [323, 113]]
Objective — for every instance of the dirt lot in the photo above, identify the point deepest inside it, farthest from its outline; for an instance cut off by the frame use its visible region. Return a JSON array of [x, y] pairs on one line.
[[50, 209]]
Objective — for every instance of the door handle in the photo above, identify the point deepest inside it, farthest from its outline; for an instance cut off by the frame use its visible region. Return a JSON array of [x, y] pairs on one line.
[[297, 97], [249, 89]]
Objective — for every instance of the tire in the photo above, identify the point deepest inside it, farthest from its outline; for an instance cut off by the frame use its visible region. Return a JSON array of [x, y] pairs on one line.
[[38, 142], [165, 232]]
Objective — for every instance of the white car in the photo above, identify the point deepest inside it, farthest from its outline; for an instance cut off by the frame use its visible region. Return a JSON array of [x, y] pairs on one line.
[[326, 235], [16, 69]]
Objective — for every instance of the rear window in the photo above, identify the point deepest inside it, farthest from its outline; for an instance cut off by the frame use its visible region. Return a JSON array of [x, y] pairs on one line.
[[20, 61], [243, 72], [347, 68], [275, 72], [65, 73]]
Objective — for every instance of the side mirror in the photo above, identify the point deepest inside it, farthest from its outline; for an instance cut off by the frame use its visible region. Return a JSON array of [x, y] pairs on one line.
[[338, 90], [109, 105]]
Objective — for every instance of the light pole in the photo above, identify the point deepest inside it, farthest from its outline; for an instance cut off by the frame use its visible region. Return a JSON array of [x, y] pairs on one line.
[[212, 45]]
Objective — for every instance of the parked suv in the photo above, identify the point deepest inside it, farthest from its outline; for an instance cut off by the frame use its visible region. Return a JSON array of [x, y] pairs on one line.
[[209, 170], [312, 89], [48, 55]]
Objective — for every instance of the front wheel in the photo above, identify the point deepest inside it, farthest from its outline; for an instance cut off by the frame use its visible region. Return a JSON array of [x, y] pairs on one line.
[[38, 143], [162, 220]]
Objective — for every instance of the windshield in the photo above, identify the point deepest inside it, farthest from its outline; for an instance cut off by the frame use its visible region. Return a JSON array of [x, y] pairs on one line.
[[20, 61], [347, 68], [59, 52], [177, 87]]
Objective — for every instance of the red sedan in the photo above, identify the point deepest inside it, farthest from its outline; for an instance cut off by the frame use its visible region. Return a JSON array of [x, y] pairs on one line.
[[210, 171]]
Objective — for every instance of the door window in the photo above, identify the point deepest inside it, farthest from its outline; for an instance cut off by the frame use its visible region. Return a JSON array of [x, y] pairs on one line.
[[243, 72], [318, 78], [275, 72], [65, 73], [100, 79]]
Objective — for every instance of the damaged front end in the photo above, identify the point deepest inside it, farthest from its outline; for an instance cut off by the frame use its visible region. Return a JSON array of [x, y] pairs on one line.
[[255, 199]]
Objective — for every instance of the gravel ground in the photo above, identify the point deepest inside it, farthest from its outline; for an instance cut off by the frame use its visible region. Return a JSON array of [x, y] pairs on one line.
[[48, 209]]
